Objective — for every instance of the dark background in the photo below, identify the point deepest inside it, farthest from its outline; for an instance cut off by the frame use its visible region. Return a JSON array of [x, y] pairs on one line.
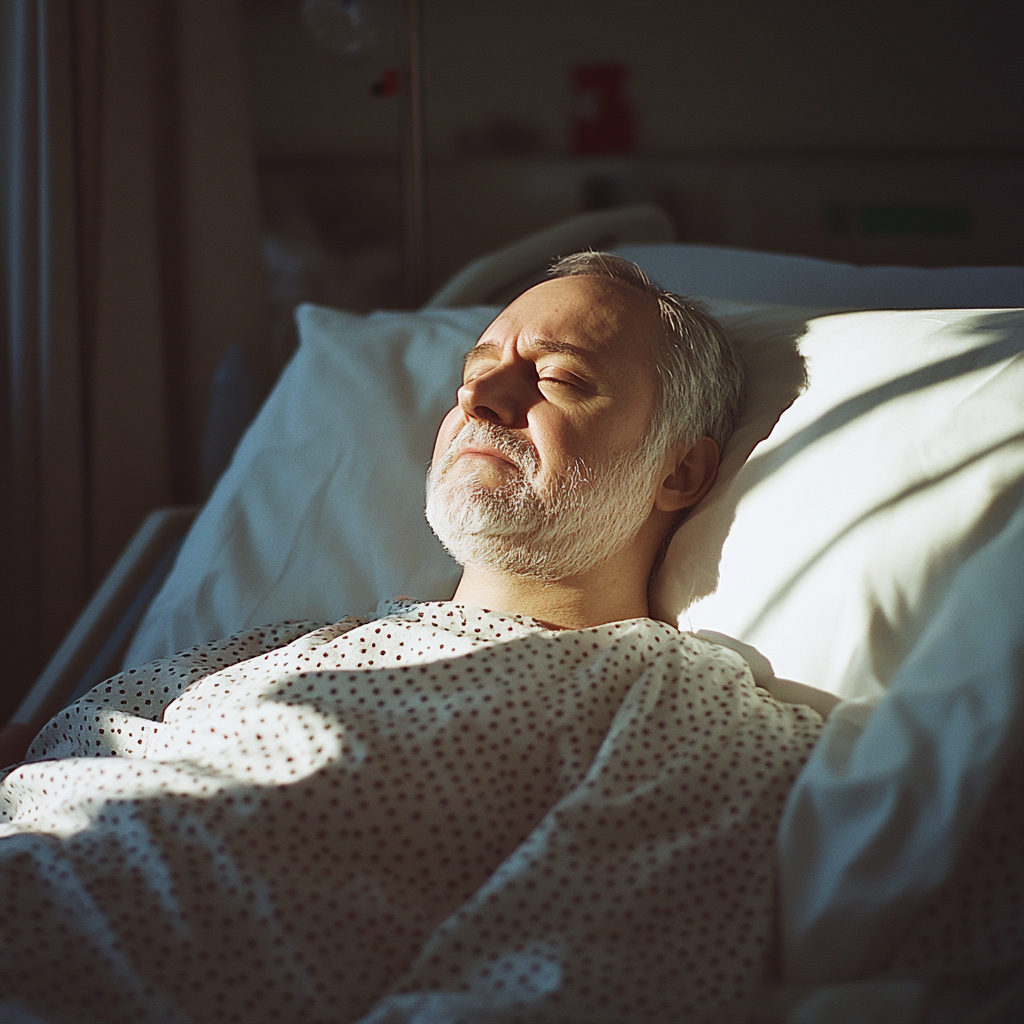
[[870, 132]]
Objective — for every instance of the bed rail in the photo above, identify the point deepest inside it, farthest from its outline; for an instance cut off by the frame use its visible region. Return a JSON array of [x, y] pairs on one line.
[[93, 649]]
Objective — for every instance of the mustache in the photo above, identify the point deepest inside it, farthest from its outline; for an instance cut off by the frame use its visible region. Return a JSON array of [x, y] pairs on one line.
[[520, 452]]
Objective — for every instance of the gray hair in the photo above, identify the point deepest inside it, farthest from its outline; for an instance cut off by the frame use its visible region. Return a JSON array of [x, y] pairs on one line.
[[699, 373]]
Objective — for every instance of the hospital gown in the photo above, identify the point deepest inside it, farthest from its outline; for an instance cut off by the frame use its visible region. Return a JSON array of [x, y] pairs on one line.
[[442, 814]]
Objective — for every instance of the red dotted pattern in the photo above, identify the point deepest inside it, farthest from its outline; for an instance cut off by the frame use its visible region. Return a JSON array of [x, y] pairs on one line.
[[292, 825]]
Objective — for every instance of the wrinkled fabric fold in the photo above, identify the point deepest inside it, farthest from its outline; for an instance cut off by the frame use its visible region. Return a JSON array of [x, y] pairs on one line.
[[440, 807]]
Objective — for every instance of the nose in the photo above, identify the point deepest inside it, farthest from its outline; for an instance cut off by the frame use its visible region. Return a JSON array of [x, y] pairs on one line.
[[500, 395]]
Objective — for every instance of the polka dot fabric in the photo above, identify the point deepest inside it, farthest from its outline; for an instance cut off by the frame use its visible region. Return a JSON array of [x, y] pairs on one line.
[[369, 821]]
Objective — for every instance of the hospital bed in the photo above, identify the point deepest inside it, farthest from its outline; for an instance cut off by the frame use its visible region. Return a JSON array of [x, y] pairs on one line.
[[868, 512]]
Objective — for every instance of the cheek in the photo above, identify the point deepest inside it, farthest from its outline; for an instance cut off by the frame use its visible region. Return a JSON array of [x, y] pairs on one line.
[[450, 426], [560, 439], [595, 439]]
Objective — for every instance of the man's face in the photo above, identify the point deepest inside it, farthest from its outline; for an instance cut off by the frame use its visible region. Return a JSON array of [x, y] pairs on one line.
[[542, 467]]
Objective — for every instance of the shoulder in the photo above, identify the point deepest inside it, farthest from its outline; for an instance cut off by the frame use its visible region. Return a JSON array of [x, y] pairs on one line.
[[145, 691]]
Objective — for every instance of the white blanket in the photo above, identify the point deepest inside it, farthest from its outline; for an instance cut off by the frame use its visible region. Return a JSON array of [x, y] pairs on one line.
[[902, 845], [439, 814]]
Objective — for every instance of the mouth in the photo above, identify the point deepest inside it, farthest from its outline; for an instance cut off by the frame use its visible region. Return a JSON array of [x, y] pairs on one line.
[[484, 452], [478, 446]]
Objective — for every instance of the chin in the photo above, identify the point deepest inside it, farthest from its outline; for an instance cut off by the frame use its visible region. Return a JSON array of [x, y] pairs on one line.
[[577, 522], [480, 531]]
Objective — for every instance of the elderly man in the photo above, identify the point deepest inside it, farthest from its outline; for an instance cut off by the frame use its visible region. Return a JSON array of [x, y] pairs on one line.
[[590, 416], [530, 803]]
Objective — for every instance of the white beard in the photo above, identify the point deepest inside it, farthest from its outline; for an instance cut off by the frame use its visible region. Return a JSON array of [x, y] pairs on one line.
[[583, 517]]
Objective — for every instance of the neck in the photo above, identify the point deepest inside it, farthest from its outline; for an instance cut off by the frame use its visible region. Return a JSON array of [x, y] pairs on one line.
[[612, 591]]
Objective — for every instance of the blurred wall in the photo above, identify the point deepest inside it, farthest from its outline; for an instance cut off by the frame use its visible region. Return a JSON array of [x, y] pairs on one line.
[[870, 131]]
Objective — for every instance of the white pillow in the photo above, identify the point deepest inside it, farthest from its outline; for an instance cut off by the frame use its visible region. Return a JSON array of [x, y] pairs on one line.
[[904, 455], [320, 513], [805, 281]]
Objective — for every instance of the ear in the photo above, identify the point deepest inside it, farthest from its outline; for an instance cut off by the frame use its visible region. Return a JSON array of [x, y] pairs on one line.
[[687, 475]]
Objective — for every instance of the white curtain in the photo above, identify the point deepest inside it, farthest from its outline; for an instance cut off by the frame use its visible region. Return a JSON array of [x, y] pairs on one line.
[[130, 266]]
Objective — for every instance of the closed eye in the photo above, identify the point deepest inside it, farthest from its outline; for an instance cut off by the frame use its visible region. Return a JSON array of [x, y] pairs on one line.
[[567, 382]]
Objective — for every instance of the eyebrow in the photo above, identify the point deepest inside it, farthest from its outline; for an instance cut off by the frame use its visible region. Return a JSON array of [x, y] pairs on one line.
[[547, 345]]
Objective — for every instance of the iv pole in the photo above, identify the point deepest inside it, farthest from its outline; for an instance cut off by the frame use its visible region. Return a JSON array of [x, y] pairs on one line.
[[347, 27], [414, 243]]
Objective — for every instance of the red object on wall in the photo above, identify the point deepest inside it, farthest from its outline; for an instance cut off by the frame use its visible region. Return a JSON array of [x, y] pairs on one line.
[[386, 85], [606, 122]]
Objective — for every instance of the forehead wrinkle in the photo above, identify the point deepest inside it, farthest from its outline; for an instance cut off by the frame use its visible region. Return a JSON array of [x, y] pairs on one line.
[[533, 346], [619, 327], [559, 348]]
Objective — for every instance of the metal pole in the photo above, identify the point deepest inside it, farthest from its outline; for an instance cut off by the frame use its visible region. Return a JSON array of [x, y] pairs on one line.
[[414, 248]]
